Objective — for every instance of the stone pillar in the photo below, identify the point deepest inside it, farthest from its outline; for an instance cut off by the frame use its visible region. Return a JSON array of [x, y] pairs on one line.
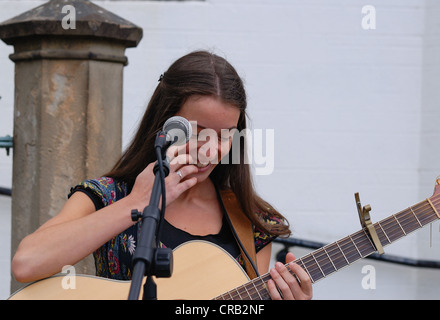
[[69, 59]]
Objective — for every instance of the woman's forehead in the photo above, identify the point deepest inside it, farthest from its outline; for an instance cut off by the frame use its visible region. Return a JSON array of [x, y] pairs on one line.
[[210, 112]]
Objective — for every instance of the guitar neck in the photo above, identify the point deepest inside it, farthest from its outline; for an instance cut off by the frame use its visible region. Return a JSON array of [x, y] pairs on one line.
[[337, 255]]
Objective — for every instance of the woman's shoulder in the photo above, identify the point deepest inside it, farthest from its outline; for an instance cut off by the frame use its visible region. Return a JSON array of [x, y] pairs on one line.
[[261, 237]]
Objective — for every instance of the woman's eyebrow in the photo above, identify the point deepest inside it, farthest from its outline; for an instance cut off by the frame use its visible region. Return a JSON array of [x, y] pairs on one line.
[[202, 127]]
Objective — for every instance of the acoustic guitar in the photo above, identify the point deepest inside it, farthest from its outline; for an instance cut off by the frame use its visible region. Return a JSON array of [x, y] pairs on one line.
[[205, 271]]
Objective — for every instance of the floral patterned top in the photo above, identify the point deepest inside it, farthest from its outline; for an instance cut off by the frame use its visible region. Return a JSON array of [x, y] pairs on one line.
[[114, 258]]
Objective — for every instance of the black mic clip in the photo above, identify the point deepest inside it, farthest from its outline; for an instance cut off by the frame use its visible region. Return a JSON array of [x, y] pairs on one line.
[[163, 141]]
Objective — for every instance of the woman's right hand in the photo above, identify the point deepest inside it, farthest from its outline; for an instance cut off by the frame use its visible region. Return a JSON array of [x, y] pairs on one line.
[[175, 183]]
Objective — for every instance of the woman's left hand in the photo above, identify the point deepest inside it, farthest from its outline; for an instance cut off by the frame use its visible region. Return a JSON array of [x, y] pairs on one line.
[[291, 287]]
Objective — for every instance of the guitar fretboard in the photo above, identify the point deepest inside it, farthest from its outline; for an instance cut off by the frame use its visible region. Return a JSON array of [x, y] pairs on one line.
[[335, 256]]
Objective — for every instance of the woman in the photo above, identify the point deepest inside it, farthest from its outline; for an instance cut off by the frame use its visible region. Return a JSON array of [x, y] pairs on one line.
[[205, 89]]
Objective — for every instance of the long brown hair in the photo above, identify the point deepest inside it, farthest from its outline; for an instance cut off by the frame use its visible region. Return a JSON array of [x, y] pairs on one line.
[[199, 73]]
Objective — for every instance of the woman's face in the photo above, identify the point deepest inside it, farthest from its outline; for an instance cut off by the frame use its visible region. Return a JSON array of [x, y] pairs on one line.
[[213, 123]]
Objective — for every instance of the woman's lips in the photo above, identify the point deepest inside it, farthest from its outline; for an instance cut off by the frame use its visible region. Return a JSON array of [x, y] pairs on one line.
[[203, 167]]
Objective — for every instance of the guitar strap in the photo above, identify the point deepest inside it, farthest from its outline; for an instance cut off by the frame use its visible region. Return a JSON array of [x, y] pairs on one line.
[[242, 229]]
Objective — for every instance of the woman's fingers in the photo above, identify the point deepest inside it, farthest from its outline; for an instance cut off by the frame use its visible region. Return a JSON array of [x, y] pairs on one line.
[[179, 174], [176, 182], [304, 282], [291, 282], [284, 281], [180, 160], [179, 152], [181, 188]]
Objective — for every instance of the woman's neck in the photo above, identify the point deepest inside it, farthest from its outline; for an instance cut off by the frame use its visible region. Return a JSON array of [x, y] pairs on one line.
[[202, 191], [197, 211]]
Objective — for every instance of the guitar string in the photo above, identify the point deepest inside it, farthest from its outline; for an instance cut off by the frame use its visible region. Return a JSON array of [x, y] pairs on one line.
[[416, 215], [422, 214]]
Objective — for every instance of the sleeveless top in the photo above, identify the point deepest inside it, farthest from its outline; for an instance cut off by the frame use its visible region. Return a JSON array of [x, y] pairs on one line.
[[114, 258]]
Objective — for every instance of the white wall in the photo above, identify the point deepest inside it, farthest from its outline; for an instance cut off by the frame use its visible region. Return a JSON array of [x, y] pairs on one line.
[[352, 109]]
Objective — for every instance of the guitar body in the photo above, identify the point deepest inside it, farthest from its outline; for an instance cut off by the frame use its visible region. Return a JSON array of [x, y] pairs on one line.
[[87, 287], [201, 270]]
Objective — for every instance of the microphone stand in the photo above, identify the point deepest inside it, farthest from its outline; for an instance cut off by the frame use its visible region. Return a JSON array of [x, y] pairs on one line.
[[148, 259]]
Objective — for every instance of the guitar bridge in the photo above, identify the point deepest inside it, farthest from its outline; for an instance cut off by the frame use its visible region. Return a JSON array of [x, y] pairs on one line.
[[364, 217]]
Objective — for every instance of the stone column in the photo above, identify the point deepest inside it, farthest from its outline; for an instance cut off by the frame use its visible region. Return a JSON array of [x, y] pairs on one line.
[[69, 59]]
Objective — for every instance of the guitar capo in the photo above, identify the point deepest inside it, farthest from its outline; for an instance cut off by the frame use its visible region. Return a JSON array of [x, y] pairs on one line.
[[364, 217]]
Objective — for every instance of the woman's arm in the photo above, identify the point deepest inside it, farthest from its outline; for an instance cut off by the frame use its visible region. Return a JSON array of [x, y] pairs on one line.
[[67, 238], [79, 229]]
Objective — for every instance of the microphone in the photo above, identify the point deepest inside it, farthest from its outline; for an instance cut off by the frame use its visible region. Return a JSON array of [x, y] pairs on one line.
[[178, 130]]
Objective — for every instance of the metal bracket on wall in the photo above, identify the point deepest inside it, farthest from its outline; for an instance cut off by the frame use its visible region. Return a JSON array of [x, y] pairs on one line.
[[7, 142]]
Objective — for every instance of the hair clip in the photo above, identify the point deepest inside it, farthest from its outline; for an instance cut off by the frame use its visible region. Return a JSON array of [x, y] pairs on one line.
[[160, 78]]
